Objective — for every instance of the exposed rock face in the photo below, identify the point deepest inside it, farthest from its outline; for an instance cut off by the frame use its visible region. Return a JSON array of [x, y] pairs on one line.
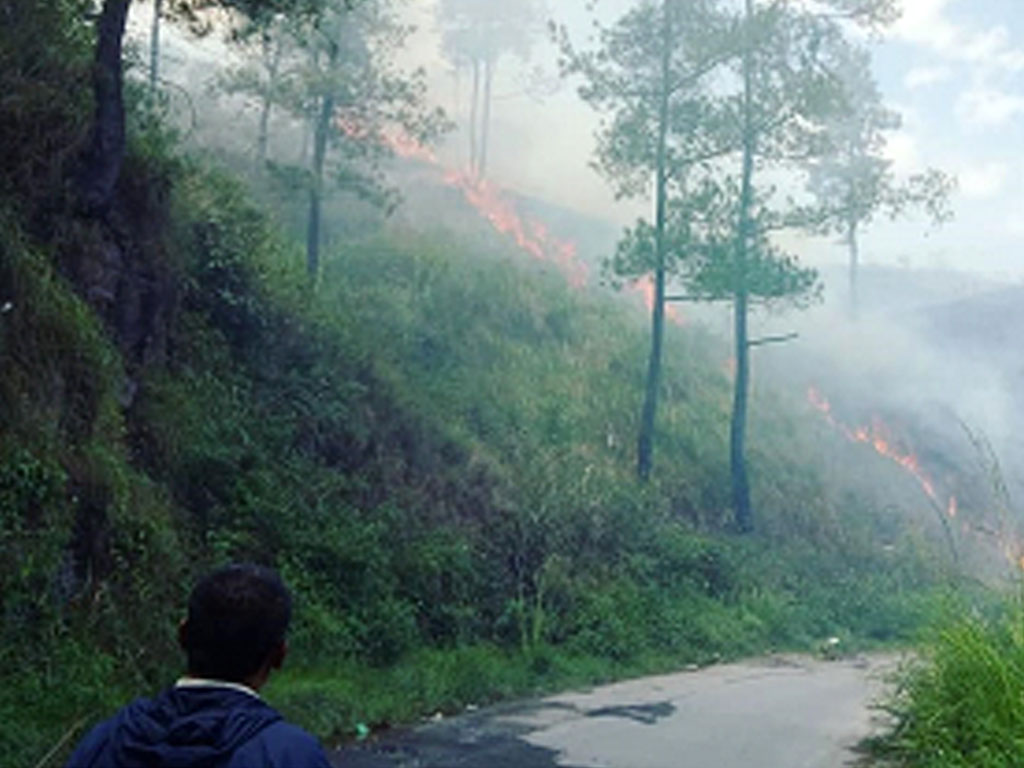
[[126, 276], [120, 266], [145, 298]]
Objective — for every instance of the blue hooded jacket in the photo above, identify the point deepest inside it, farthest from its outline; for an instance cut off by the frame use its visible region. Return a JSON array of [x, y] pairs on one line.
[[193, 727]]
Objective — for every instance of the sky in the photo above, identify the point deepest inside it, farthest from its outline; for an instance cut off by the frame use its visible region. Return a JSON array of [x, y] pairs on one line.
[[953, 69]]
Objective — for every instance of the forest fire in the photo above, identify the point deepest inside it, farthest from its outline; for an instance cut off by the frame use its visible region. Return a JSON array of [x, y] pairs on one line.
[[491, 202], [530, 235], [879, 436], [533, 237], [645, 287], [1002, 536], [408, 148]]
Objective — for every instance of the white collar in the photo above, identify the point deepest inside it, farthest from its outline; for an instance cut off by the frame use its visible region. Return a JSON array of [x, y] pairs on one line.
[[199, 682]]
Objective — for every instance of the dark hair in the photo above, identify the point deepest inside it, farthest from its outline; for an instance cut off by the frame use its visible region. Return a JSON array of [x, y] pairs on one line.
[[237, 616]]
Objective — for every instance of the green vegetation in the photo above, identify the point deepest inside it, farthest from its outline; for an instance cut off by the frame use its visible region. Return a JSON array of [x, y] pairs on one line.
[[711, 100], [435, 449], [962, 702]]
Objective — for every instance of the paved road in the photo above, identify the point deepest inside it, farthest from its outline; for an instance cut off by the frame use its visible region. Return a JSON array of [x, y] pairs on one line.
[[780, 712]]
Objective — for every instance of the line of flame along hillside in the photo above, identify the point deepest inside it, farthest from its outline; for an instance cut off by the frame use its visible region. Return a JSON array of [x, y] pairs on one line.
[[495, 206], [879, 437], [533, 237], [489, 200]]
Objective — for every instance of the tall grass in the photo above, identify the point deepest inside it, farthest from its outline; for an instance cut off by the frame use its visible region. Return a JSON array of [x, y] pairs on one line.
[[961, 704]]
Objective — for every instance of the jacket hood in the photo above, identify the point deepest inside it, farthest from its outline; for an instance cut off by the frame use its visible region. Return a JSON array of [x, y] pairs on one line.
[[188, 726]]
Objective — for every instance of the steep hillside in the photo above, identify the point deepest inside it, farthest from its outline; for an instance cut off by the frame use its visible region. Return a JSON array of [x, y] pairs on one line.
[[435, 448]]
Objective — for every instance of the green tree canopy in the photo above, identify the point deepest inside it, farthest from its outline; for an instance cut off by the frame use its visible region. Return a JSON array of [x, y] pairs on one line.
[[650, 79], [101, 163], [358, 100], [716, 104], [475, 36], [855, 182], [788, 87]]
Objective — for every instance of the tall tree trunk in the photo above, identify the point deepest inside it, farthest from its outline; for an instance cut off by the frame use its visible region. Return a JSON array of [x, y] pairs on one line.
[[645, 440], [154, 45], [851, 241], [271, 60], [307, 134], [457, 107], [264, 128], [738, 427], [485, 127], [474, 118], [316, 188], [102, 162]]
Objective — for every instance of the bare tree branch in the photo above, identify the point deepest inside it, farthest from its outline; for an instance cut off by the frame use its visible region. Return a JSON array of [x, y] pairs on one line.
[[772, 340]]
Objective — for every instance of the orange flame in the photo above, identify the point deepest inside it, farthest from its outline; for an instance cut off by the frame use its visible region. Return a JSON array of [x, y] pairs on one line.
[[408, 148], [879, 437], [645, 287], [530, 235], [487, 198], [491, 202], [393, 138]]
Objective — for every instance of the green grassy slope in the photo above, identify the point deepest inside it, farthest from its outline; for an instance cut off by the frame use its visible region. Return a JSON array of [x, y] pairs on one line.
[[435, 449]]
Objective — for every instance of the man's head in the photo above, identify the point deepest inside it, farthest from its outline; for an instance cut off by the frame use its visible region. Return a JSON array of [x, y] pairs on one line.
[[237, 619]]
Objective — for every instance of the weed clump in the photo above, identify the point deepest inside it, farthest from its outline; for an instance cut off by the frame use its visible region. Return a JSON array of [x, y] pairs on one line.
[[961, 703]]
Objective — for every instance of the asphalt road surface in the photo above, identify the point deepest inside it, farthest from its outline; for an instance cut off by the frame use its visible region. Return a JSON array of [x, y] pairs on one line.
[[779, 712]]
